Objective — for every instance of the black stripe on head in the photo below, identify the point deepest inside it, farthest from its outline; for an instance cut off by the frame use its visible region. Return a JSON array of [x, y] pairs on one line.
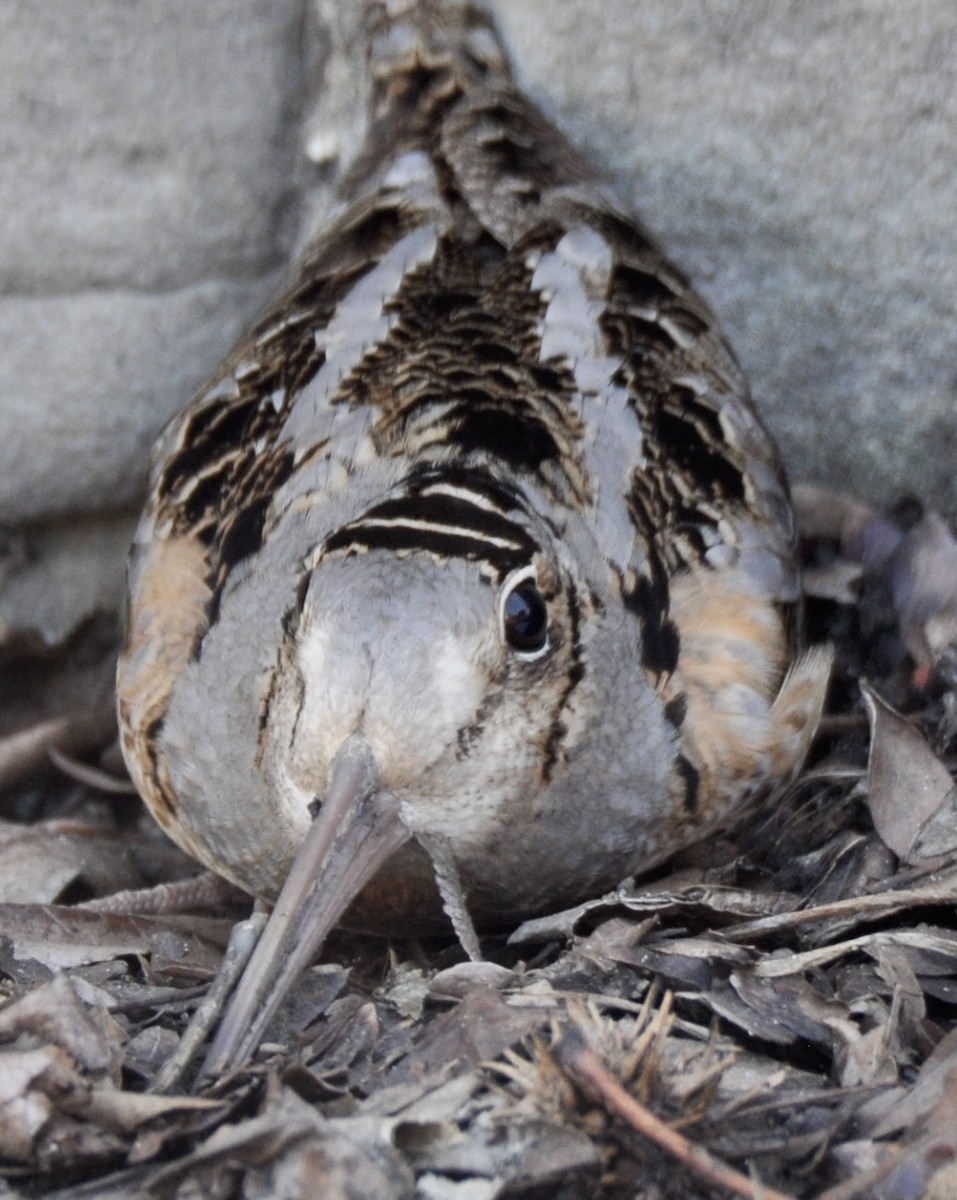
[[402, 539], [454, 513], [433, 518], [495, 492]]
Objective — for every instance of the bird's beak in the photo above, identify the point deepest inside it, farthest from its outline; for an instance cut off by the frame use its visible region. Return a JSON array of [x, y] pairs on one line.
[[356, 831]]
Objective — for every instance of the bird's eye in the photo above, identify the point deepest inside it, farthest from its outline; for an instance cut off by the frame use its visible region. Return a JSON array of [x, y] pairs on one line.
[[525, 618]]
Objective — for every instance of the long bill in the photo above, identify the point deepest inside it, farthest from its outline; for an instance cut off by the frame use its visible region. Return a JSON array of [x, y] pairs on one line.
[[356, 831]]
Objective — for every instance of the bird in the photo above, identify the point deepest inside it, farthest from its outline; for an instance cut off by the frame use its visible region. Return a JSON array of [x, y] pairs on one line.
[[466, 589]]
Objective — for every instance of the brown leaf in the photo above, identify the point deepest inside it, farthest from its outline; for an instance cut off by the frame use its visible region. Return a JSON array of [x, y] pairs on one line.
[[921, 1163], [478, 1029], [456, 982], [911, 794], [290, 1150], [39, 862], [684, 962], [534, 1155], [66, 937], [30, 1083], [934, 1080], [73, 1015], [126, 1112]]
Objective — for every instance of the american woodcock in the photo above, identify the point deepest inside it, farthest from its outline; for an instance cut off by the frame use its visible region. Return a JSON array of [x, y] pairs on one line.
[[462, 592]]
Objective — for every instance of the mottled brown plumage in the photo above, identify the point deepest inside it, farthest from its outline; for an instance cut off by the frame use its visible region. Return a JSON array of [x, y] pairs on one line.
[[475, 545]]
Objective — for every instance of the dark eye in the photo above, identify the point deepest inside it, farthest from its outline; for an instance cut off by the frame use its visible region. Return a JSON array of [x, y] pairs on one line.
[[525, 618]]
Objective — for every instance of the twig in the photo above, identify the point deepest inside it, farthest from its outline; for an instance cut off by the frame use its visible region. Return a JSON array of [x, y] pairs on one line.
[[24, 752], [91, 777], [584, 1066], [872, 907], [242, 943]]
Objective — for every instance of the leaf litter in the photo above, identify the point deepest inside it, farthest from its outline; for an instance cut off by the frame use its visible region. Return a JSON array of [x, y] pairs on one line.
[[772, 1015]]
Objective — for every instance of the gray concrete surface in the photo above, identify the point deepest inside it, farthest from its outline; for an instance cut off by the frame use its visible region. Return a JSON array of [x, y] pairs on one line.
[[797, 158]]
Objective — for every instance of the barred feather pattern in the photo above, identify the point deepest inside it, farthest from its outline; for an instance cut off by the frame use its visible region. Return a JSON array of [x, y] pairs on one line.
[[483, 372]]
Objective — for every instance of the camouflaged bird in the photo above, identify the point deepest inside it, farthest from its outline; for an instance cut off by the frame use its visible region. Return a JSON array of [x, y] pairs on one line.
[[475, 546]]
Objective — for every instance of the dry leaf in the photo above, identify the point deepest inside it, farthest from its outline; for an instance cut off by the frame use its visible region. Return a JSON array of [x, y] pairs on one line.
[[39, 862], [31, 1081], [910, 793], [67, 937], [73, 1015]]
